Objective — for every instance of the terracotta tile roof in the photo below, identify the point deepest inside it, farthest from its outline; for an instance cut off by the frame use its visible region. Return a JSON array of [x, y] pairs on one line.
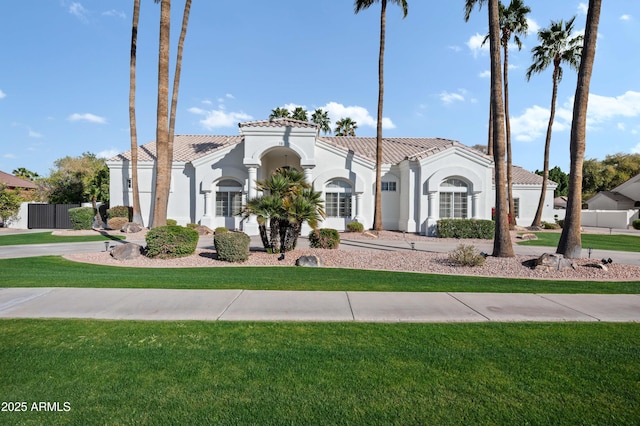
[[12, 181], [394, 150], [185, 147], [278, 122]]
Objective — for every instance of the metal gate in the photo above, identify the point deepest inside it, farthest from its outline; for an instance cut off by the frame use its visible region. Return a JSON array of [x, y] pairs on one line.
[[49, 216]]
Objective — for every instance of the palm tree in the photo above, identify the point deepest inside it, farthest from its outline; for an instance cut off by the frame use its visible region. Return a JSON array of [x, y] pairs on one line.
[[513, 21], [279, 113], [288, 202], [321, 118], [345, 127], [502, 246], [23, 173], [557, 46], [137, 213], [299, 113], [570, 244], [362, 5], [163, 170], [176, 80]]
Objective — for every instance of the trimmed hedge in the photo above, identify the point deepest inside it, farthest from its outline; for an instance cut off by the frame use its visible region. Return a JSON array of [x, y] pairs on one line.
[[120, 211], [221, 230], [172, 222], [232, 246], [117, 223], [466, 228], [325, 238], [636, 224], [82, 217], [171, 241], [355, 227]]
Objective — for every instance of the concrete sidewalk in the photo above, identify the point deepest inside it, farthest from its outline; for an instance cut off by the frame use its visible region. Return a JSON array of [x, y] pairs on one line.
[[320, 306]]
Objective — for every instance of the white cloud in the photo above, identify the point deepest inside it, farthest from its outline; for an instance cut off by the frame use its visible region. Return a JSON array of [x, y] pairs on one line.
[[533, 123], [2, 95], [533, 26], [291, 106], [485, 74], [454, 48], [219, 118], [33, 134], [229, 96], [583, 8], [358, 114], [91, 118], [625, 17], [476, 46], [108, 153], [448, 98], [115, 13], [9, 155], [77, 10], [607, 108], [636, 149]]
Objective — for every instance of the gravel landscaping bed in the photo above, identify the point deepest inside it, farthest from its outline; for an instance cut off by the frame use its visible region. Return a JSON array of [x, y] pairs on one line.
[[399, 260]]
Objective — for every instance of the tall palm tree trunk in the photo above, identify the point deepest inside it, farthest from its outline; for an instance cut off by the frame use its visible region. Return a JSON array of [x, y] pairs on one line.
[[163, 173], [176, 80], [377, 214], [502, 246], [137, 214], [490, 134], [570, 244], [512, 212], [537, 220]]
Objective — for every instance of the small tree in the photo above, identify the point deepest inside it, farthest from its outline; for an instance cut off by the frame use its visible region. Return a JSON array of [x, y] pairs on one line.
[[9, 204]]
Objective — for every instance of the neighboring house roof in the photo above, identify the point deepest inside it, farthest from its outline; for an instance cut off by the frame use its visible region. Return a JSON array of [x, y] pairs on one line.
[[560, 202], [612, 195], [12, 181], [631, 188]]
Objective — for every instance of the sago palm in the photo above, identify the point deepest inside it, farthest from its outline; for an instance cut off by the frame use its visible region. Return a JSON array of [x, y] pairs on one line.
[[557, 46]]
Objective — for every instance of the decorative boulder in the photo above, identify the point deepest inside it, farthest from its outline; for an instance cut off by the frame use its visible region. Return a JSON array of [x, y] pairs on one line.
[[309, 261], [554, 261], [131, 228], [527, 237], [126, 251]]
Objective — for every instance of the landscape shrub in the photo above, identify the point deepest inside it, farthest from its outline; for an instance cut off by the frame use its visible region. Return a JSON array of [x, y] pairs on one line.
[[120, 211], [82, 217], [232, 246], [547, 225], [172, 222], [325, 238], [171, 241], [117, 223], [466, 255], [355, 227], [220, 230], [560, 223], [636, 224], [192, 225], [466, 228]]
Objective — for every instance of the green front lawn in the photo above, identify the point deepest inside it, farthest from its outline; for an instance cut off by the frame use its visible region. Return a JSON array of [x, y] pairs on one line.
[[54, 271], [49, 238], [596, 241], [116, 372]]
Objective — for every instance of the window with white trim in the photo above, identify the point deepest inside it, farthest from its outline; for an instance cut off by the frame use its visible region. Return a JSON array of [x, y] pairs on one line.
[[388, 186], [228, 198], [454, 196], [337, 200]]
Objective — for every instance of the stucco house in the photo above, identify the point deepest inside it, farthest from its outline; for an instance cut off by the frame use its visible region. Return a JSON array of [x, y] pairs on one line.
[[625, 196], [423, 179]]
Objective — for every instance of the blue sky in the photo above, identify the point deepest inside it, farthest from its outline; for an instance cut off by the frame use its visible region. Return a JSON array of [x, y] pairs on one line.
[[64, 82]]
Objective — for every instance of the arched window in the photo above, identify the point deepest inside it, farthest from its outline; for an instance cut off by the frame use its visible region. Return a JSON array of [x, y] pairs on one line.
[[454, 195], [337, 201], [228, 198]]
